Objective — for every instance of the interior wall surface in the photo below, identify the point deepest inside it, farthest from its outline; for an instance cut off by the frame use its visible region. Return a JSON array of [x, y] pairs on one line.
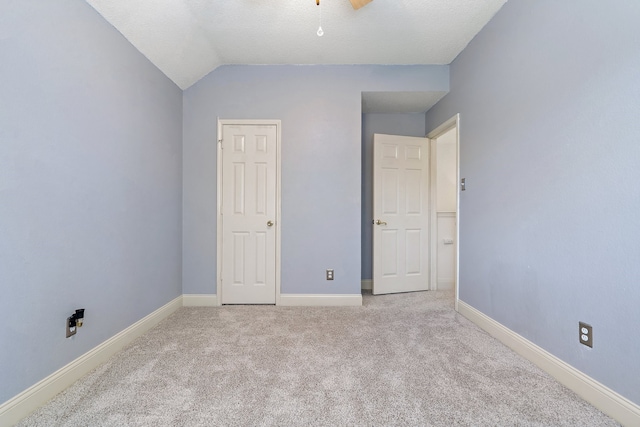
[[548, 99], [320, 110], [90, 186], [404, 124]]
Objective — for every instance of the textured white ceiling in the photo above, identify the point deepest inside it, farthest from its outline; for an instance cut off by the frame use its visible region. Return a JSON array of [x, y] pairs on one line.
[[187, 39]]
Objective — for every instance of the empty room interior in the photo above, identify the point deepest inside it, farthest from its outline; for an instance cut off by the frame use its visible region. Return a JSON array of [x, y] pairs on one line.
[[335, 160]]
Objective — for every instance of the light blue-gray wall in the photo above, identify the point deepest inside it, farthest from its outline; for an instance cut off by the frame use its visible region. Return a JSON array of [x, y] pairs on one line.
[[320, 109], [549, 97], [405, 124], [90, 186]]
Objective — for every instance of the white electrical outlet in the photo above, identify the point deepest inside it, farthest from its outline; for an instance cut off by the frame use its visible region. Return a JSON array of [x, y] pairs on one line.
[[586, 334]]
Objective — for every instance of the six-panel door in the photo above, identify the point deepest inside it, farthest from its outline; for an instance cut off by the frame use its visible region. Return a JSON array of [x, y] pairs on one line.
[[249, 214], [401, 214]]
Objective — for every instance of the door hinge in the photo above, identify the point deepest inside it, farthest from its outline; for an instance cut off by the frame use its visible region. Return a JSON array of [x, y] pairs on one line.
[[220, 142]]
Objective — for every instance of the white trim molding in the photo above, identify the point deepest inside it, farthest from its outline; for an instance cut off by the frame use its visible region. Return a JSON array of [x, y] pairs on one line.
[[366, 284], [608, 401], [443, 214], [200, 300], [13, 410], [321, 300]]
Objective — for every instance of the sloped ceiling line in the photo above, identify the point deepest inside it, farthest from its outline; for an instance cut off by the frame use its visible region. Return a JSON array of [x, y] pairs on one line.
[[187, 39]]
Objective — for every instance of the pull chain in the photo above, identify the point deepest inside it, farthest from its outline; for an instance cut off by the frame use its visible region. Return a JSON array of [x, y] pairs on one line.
[[320, 32]]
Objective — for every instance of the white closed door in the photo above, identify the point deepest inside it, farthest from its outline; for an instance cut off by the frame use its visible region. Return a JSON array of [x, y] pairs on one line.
[[401, 214], [249, 214]]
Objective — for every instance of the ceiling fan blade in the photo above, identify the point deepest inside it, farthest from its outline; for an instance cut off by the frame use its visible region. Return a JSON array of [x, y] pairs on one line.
[[357, 4]]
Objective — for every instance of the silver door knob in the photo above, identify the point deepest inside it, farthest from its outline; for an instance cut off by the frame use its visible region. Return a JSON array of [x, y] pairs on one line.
[[269, 223], [378, 222]]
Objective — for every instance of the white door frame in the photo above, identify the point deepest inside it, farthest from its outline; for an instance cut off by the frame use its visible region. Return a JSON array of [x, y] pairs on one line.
[[278, 219], [453, 122]]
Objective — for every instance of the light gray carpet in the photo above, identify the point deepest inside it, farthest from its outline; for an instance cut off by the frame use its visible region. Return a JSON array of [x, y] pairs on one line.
[[404, 359]]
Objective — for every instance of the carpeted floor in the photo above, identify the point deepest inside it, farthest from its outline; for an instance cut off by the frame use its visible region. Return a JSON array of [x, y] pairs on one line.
[[405, 359]]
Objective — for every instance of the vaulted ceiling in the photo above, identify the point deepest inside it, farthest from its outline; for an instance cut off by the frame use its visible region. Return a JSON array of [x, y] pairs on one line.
[[187, 39]]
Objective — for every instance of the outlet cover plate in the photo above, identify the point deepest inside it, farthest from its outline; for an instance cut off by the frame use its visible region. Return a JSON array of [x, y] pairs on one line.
[[71, 330], [586, 334]]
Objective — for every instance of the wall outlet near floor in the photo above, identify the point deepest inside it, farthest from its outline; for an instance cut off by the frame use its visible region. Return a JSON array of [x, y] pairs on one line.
[[71, 327], [586, 334], [74, 322], [329, 274]]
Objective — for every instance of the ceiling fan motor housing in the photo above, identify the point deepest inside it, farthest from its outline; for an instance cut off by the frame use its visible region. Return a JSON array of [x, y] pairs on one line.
[[357, 4]]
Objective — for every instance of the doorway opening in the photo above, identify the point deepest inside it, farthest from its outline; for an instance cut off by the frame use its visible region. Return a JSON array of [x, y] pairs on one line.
[[445, 206]]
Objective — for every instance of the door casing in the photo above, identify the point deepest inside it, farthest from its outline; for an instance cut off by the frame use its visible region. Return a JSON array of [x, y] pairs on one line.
[[220, 189]]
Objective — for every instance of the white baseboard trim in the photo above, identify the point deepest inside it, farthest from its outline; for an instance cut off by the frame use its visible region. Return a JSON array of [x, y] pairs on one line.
[[13, 410], [318, 300], [200, 300], [608, 401], [366, 284]]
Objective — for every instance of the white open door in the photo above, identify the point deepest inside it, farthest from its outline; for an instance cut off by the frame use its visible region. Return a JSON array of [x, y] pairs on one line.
[[401, 214], [249, 213]]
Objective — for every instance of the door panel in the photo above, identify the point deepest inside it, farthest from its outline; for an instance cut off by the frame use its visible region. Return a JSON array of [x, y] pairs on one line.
[[248, 208], [413, 252], [401, 214], [389, 241]]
